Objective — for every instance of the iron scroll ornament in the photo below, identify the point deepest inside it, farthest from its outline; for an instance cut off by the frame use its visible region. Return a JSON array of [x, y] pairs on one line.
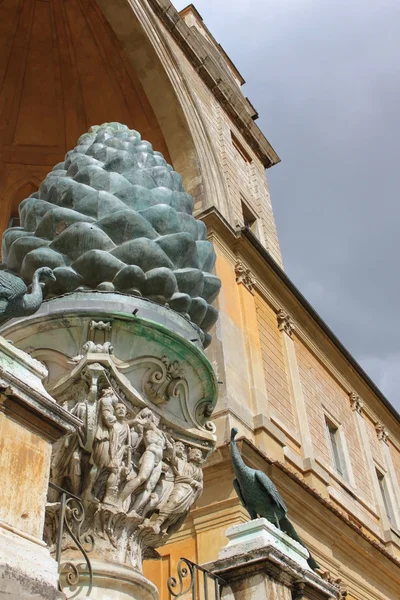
[[188, 578], [72, 510]]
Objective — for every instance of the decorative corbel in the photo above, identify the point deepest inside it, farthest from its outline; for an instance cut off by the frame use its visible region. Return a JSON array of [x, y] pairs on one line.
[[285, 322], [381, 432], [244, 276], [356, 403]]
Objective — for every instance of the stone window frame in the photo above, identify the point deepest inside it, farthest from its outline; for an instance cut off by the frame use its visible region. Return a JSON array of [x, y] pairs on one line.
[[346, 476], [250, 219], [387, 500], [391, 523]]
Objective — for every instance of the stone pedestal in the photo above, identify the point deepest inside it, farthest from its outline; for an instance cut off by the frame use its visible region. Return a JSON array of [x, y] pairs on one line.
[[30, 421], [135, 375], [260, 561]]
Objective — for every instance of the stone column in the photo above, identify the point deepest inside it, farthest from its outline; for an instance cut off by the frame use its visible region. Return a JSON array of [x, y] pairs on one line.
[[30, 421], [260, 561]]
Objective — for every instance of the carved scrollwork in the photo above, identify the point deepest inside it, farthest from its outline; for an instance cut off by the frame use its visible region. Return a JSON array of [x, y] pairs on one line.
[[105, 348], [285, 322], [244, 276], [203, 413], [356, 403], [162, 383], [381, 432]]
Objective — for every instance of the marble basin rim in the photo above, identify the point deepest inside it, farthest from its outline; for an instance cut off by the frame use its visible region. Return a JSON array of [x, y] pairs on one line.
[[109, 305], [57, 334]]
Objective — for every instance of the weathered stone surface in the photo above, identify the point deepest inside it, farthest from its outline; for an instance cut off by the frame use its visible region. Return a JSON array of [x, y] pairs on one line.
[[30, 420], [112, 198]]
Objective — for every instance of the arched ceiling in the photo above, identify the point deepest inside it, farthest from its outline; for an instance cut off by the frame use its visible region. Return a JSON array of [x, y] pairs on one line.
[[62, 69]]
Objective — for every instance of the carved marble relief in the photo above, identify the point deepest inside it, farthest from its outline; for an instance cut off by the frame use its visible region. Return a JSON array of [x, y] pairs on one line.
[[136, 474]]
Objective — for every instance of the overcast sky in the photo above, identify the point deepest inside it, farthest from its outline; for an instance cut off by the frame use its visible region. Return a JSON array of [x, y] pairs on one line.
[[324, 76]]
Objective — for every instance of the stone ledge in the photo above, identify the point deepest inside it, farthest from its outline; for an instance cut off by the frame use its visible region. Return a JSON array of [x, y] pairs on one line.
[[262, 422], [23, 396]]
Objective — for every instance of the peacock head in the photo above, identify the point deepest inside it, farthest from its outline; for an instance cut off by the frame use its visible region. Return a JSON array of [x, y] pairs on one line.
[[234, 433], [46, 273]]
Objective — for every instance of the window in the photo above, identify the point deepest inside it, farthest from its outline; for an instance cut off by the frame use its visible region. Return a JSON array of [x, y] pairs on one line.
[[239, 149], [385, 496], [336, 449], [249, 219]]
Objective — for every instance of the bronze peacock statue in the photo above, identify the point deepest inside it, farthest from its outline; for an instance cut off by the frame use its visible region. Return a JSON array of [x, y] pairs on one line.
[[15, 301], [260, 497]]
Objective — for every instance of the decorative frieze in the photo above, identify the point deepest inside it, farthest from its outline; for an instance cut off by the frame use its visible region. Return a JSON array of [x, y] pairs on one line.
[[285, 322], [381, 432], [244, 276], [356, 403]]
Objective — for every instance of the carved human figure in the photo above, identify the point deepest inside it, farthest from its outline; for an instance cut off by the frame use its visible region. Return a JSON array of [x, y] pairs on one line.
[[69, 454], [165, 484], [150, 463], [120, 454], [187, 488], [103, 443]]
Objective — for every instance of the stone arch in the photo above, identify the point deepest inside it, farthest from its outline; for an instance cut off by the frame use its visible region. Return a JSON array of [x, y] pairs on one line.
[[144, 42], [98, 61]]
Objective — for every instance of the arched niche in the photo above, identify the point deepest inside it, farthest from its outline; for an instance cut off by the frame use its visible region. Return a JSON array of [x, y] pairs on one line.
[[143, 40], [67, 65]]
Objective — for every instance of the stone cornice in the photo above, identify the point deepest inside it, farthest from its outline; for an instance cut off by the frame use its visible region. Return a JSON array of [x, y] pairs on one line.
[[232, 100]]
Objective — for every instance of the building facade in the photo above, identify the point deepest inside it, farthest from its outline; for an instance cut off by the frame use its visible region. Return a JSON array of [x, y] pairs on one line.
[[307, 414]]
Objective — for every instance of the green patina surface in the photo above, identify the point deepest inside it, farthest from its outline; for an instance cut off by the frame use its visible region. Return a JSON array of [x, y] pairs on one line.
[[114, 216]]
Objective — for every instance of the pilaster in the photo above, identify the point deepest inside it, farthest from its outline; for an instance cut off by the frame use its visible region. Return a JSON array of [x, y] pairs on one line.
[[287, 326], [357, 406], [30, 420], [390, 477]]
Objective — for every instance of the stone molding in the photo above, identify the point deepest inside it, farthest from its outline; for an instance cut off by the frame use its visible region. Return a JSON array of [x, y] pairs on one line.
[[244, 276], [285, 322], [270, 562], [356, 403]]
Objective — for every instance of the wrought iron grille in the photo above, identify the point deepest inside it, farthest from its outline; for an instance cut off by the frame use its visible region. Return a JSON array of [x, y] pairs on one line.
[[195, 582], [70, 519]]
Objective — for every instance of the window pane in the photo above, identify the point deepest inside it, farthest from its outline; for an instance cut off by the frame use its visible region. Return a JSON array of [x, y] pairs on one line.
[[333, 436]]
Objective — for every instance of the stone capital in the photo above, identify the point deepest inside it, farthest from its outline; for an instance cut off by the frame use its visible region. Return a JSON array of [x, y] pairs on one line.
[[285, 322], [356, 403], [244, 276], [381, 432]]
